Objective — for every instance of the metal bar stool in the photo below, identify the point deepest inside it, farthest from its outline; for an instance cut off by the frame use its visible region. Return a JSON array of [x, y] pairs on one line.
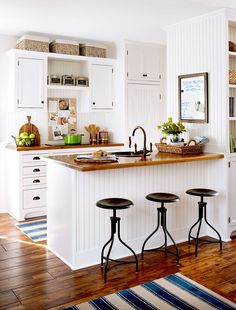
[[161, 220], [202, 192], [114, 204]]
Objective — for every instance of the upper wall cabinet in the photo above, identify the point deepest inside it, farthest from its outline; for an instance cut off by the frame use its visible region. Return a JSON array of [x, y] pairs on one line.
[[143, 62], [30, 83], [102, 86], [26, 80]]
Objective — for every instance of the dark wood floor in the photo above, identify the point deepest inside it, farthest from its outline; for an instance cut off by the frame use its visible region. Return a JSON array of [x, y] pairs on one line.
[[33, 278]]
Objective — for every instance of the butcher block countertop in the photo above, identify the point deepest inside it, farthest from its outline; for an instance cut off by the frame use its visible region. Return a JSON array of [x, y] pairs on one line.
[[127, 162], [45, 147]]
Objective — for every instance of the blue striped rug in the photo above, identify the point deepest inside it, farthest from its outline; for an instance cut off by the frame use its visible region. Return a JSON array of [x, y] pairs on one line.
[[35, 230], [172, 292]]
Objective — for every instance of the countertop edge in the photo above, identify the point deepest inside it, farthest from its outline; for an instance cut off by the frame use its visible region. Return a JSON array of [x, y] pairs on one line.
[[155, 162]]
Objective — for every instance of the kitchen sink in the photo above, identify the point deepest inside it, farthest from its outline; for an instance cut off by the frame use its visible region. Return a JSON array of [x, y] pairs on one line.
[[129, 154]]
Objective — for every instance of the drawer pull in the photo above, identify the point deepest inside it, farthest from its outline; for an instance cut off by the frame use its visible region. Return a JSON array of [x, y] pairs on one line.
[[36, 158], [36, 170], [144, 75], [36, 181], [36, 198]]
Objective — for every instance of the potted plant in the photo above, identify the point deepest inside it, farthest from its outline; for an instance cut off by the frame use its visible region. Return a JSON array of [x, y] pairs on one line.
[[173, 130]]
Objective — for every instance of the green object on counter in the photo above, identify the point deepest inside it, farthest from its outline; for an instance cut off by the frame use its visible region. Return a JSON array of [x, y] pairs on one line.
[[72, 139]]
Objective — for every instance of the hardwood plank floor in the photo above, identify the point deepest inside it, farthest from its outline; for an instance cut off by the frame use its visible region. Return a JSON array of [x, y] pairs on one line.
[[31, 277]]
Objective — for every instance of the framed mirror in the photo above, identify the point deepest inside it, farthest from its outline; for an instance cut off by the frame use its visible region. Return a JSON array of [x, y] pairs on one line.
[[193, 98]]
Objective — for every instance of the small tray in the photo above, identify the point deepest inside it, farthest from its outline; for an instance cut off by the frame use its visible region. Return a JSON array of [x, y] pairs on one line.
[[96, 160]]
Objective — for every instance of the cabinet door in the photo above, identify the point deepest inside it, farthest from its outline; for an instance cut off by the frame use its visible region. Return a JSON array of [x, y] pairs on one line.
[[143, 63], [135, 62], [102, 87], [30, 83], [232, 193], [144, 108]]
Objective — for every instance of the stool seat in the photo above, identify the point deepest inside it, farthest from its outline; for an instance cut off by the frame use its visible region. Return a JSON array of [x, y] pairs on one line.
[[162, 197], [202, 192], [114, 203]]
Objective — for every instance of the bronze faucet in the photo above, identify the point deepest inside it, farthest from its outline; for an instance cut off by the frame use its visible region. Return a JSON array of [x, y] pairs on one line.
[[144, 150]]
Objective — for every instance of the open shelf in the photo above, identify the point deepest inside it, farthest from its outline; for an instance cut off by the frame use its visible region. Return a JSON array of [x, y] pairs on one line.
[[65, 87], [232, 85]]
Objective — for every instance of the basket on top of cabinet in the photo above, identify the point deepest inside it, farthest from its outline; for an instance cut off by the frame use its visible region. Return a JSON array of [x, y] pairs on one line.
[[33, 43], [92, 50], [64, 47]]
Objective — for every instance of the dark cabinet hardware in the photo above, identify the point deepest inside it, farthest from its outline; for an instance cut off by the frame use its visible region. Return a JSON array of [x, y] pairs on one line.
[[42, 102], [36, 170], [94, 103], [144, 75], [36, 181], [36, 158], [36, 198]]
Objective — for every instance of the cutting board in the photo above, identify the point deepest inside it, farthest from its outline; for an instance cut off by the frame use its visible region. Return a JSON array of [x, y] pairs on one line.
[[31, 128]]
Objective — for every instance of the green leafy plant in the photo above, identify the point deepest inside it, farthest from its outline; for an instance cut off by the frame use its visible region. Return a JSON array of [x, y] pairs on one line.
[[171, 128]]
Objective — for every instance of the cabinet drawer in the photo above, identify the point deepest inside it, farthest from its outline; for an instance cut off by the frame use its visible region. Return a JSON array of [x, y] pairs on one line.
[[34, 181], [33, 158], [34, 170], [34, 198]]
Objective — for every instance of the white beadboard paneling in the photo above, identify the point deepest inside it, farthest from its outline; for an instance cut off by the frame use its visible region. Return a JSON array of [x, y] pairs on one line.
[[201, 45], [144, 108], [92, 224]]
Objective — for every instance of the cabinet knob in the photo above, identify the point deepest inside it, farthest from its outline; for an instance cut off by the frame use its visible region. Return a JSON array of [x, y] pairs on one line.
[[36, 158], [144, 75], [36, 181], [94, 103], [42, 102], [36, 170], [36, 198]]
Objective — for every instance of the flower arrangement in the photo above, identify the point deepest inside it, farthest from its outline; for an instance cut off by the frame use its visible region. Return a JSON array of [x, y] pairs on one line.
[[171, 128]]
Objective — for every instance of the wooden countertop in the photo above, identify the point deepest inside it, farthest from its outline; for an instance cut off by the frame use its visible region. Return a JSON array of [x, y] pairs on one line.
[[127, 162], [56, 147]]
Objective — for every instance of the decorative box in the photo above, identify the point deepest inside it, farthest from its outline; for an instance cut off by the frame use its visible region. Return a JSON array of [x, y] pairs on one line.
[[33, 43], [81, 81], [68, 80], [54, 79], [92, 50], [64, 47]]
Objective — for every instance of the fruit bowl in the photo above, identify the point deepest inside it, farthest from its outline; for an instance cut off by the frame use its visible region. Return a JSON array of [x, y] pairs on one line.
[[24, 139]]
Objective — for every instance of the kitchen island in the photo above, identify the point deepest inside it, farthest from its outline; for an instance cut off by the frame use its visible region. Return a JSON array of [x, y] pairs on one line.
[[77, 229]]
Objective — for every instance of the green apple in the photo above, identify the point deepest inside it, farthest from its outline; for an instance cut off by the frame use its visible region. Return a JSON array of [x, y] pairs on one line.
[[24, 135], [32, 136]]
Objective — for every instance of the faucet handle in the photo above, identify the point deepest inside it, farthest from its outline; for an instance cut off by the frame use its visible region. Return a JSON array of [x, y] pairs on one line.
[[135, 147], [130, 141], [151, 147]]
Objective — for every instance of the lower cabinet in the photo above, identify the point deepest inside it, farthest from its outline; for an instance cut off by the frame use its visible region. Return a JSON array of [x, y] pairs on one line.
[[26, 179]]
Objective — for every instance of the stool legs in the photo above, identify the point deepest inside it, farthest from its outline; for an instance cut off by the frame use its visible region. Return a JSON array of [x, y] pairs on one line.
[[201, 216], [161, 214], [114, 220]]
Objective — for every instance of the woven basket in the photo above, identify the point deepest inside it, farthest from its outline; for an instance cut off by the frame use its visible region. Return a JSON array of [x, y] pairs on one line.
[[179, 149], [93, 51], [64, 47], [232, 77]]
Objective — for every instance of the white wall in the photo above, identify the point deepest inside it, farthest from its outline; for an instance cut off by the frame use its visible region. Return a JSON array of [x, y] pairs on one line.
[[193, 46]]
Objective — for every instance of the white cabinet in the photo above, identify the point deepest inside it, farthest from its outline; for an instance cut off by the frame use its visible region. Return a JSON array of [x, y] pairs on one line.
[[102, 86], [144, 62], [26, 80], [30, 83]]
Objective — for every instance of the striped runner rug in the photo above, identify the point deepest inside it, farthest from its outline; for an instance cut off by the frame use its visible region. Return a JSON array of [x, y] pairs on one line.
[[35, 230], [172, 292]]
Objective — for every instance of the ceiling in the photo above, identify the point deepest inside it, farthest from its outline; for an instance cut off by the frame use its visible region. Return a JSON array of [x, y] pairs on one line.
[[106, 20]]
